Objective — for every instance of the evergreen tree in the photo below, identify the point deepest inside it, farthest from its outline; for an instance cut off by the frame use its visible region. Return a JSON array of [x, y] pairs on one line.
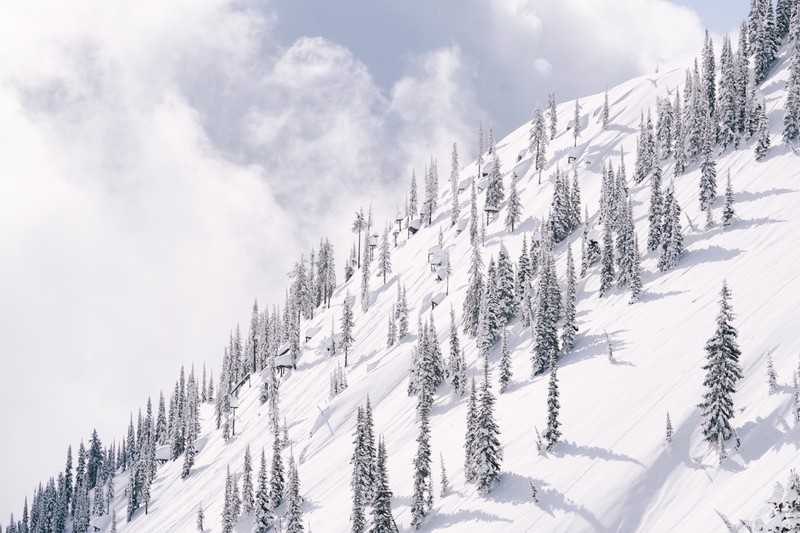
[[402, 313], [762, 132], [552, 433], [360, 224], [538, 139], [783, 16], [488, 452], [514, 214], [470, 440], [349, 266], [505, 363], [796, 402], [728, 211], [276, 481], [553, 112], [570, 328], [200, 519], [263, 505], [723, 371], [791, 117], [548, 314], [384, 257], [678, 138], [475, 290], [455, 211], [726, 106], [504, 287], [365, 285], [656, 213], [382, 519], [68, 488], [709, 74], [669, 430], [473, 214], [708, 170], [636, 271], [576, 130], [412, 196], [422, 499], [772, 376], [188, 460], [607, 273], [359, 522], [671, 246], [454, 366], [294, 511], [248, 501], [391, 336], [347, 339], [604, 113]]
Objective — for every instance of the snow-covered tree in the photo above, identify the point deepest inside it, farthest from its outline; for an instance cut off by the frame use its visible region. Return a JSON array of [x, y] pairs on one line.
[[248, 498], [382, 519], [708, 170], [422, 498], [762, 132], [276, 480], [402, 312], [505, 362], [553, 112], [294, 502], [538, 141], [455, 210], [607, 275], [454, 366], [470, 439], [391, 335], [728, 211], [772, 376], [413, 196], [723, 371], [488, 452], [514, 213], [263, 505], [473, 213], [671, 246], [475, 290], [604, 114], [347, 339], [360, 224], [385, 255], [495, 192], [552, 433], [791, 117], [365, 296], [656, 213], [668, 435], [570, 328], [576, 129]]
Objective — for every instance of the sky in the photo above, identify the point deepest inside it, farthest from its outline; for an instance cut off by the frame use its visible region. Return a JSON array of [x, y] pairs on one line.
[[164, 163]]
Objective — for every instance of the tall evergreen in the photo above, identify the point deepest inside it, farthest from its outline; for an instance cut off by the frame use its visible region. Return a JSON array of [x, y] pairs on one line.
[[762, 132], [248, 498], [727, 96], [470, 439], [504, 288], [791, 117], [382, 519], [294, 509], [656, 213], [263, 506], [475, 289], [514, 213], [365, 285], [401, 312], [708, 169], [412, 196], [607, 258], [552, 433], [553, 112], [495, 192], [454, 366], [391, 334], [570, 328], [728, 211], [604, 114], [347, 339], [473, 213], [276, 481], [505, 362], [723, 371], [538, 140], [636, 271], [488, 452], [671, 246], [678, 137], [385, 256], [422, 498], [576, 129]]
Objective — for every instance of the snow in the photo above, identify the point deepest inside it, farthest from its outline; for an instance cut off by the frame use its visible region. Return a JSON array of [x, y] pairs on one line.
[[612, 470]]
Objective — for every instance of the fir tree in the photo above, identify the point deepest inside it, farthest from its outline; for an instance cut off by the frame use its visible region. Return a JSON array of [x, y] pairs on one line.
[[576, 130], [552, 433], [791, 117], [723, 371], [359, 522], [470, 440], [671, 246], [796, 402], [276, 482], [553, 112], [422, 499], [669, 430], [505, 363], [570, 328], [402, 312], [391, 335], [382, 519], [455, 357], [412, 196], [360, 224], [514, 214], [762, 132], [656, 210], [636, 271], [604, 113], [365, 285], [188, 460], [678, 138], [384, 256], [200, 519], [248, 501], [294, 511], [455, 210], [504, 287], [538, 140], [474, 295], [263, 505], [473, 214], [772, 376], [488, 452], [347, 339], [349, 266], [607, 259]]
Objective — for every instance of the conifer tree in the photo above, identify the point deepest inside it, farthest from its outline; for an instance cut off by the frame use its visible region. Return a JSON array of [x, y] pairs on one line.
[[248, 499], [552, 433], [455, 210], [576, 130], [263, 506], [384, 256], [538, 140], [671, 246], [473, 213], [391, 336], [607, 259], [514, 213], [422, 499], [783, 16], [728, 211], [470, 440], [188, 460], [382, 519], [365, 285], [708, 170], [570, 328], [402, 312], [504, 288], [359, 521], [347, 339], [488, 452], [726, 106], [796, 403], [678, 138], [349, 266], [636, 271], [604, 115], [552, 111], [294, 511], [276, 482], [762, 132], [474, 295], [723, 371], [505, 363], [412, 196], [656, 211], [669, 430], [772, 376], [454, 367]]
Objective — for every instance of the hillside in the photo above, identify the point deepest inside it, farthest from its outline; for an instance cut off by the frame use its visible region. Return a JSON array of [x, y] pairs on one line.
[[611, 471]]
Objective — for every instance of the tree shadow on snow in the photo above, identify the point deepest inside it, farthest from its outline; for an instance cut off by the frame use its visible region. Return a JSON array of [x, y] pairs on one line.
[[551, 499], [592, 452], [710, 254], [747, 196]]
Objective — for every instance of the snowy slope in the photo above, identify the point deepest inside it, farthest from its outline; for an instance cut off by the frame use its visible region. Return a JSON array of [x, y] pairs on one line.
[[611, 471]]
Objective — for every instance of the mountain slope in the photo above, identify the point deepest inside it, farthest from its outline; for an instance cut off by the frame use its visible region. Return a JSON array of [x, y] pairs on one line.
[[611, 471]]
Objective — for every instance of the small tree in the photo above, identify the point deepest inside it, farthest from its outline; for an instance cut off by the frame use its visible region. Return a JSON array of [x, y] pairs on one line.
[[505, 363], [772, 377], [514, 214], [347, 339], [728, 211], [552, 433], [669, 430], [576, 130], [604, 114], [200, 518], [385, 256], [445, 490]]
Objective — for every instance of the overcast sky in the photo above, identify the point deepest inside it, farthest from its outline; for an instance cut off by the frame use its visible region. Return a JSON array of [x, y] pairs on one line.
[[164, 163]]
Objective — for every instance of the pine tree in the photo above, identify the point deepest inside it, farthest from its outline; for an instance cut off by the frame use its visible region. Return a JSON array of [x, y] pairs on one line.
[[294, 511], [708, 170], [796, 402], [783, 16], [349, 266], [455, 357], [359, 522], [473, 213], [200, 519], [228, 518], [365, 285], [488, 452], [504, 288], [791, 117], [455, 210], [728, 211], [382, 519], [248, 502], [604, 113], [276, 482], [474, 295], [470, 440], [514, 214], [678, 138], [726, 106], [723, 371], [607, 259], [422, 499], [347, 339], [263, 505], [402, 312], [576, 130], [671, 246], [505, 363], [656, 210], [391, 335], [762, 132], [384, 257], [552, 433], [570, 328], [412, 196], [553, 112], [188, 460], [538, 140], [636, 271], [772, 376], [669, 430]]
